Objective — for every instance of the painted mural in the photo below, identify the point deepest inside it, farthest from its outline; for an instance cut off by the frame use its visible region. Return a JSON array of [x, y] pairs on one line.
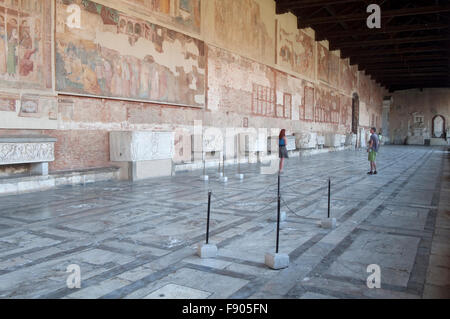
[[182, 14], [25, 44], [348, 77], [323, 58], [243, 26], [240, 85], [308, 104], [327, 106], [328, 68], [115, 55], [333, 70], [295, 51], [346, 111], [364, 84]]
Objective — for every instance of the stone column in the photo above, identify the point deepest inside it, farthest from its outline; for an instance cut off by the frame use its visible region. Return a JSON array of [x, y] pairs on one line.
[[387, 102]]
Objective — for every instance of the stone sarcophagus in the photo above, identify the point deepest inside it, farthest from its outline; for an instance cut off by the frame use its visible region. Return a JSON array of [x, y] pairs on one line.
[[143, 154], [37, 150], [334, 140], [350, 139], [320, 141], [305, 140]]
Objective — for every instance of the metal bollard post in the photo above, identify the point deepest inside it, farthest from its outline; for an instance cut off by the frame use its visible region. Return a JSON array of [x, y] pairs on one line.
[[278, 185], [278, 223], [329, 195], [209, 213]]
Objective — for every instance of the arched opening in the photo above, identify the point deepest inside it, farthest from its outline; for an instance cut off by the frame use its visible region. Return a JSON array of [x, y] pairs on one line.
[[355, 113], [438, 126]]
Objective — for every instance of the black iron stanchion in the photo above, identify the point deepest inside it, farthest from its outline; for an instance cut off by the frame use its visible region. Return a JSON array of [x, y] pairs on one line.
[[278, 223], [277, 260], [207, 221], [329, 195], [329, 222], [207, 250], [278, 184]]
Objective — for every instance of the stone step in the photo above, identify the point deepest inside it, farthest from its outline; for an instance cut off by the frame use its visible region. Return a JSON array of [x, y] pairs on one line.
[[34, 183]]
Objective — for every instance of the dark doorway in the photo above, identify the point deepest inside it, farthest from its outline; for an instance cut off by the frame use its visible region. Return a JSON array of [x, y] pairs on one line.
[[355, 113]]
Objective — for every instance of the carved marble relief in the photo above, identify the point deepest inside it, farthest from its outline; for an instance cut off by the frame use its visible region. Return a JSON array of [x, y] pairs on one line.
[[15, 153]]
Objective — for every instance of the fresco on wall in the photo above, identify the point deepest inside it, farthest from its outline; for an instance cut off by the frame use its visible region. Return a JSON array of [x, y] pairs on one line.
[[243, 26], [308, 104], [328, 68], [296, 51], [25, 44], [238, 84], [346, 111], [327, 106], [364, 87], [8, 103], [115, 55], [184, 14], [348, 77]]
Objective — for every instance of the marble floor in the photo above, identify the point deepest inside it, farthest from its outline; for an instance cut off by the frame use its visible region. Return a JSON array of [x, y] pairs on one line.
[[139, 240]]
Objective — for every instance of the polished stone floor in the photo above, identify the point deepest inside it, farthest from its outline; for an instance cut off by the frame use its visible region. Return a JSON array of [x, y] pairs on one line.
[[139, 240]]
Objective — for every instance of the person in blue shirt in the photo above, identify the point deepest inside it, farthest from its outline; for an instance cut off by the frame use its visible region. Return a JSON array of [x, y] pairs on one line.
[[372, 150], [282, 150]]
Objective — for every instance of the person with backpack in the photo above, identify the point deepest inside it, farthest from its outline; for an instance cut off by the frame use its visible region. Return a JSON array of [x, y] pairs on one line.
[[372, 150]]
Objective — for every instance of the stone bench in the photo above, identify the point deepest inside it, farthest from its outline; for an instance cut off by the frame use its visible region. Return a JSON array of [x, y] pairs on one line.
[[37, 150]]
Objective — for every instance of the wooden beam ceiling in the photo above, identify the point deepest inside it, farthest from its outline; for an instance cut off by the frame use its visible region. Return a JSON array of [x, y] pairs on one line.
[[412, 47], [385, 14]]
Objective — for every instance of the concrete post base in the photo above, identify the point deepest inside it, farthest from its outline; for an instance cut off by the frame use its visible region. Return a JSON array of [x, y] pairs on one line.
[[328, 223], [220, 175], [204, 177], [207, 251], [224, 179], [283, 217], [277, 261]]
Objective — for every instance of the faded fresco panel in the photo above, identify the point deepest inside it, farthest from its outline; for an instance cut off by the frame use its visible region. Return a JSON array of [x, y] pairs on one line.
[[327, 106], [25, 44], [333, 70], [323, 61], [307, 112], [295, 49], [348, 77], [364, 87], [115, 55], [242, 26], [239, 85], [346, 112], [289, 96], [182, 14]]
